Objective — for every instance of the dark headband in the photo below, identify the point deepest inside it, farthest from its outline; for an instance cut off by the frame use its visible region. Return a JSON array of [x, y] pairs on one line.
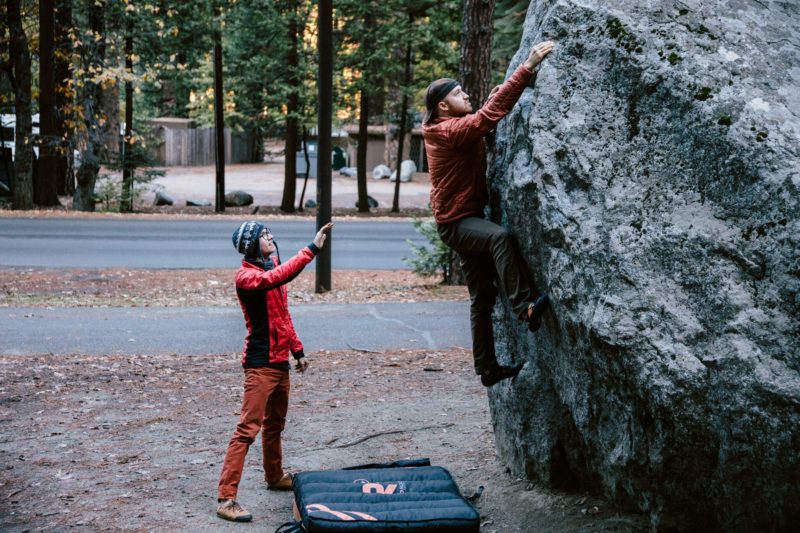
[[437, 91]]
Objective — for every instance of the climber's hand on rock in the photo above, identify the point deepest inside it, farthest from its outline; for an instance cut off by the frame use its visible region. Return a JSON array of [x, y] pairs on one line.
[[538, 52]]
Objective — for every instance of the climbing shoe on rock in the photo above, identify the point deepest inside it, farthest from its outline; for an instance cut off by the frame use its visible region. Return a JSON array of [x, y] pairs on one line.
[[231, 510], [284, 483], [499, 374], [535, 312]]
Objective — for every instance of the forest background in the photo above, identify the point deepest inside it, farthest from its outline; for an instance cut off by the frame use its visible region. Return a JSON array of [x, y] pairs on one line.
[[98, 72]]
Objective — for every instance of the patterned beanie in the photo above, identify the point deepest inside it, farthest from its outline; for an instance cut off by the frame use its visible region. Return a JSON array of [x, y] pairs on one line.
[[245, 238]]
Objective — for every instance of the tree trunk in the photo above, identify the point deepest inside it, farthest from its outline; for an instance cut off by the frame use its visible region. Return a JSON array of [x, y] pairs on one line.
[[65, 180], [44, 187], [363, 116], [402, 132], [324, 126], [361, 154], [94, 119], [292, 108], [127, 156], [475, 69], [21, 68], [86, 177], [110, 97], [219, 120]]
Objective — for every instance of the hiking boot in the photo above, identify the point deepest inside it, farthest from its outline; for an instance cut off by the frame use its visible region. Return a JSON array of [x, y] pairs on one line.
[[284, 483], [231, 510], [499, 374], [535, 312]]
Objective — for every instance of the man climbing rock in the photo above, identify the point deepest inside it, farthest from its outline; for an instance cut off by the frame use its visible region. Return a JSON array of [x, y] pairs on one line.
[[261, 289], [457, 165]]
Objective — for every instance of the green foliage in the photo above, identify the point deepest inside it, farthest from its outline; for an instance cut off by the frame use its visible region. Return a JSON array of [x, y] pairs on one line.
[[172, 72], [430, 260], [172, 50], [258, 75], [140, 162], [509, 18]]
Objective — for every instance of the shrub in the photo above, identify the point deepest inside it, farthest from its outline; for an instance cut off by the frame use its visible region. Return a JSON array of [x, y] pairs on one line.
[[433, 259]]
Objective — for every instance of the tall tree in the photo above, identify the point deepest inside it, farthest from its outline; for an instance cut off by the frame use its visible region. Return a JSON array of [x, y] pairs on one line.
[[219, 119], [324, 129], [403, 120], [292, 107], [21, 82], [363, 120], [475, 68], [90, 101], [44, 188], [62, 67], [371, 102], [127, 149]]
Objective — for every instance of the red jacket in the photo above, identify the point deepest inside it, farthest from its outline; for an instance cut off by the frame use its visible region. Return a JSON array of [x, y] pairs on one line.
[[457, 155], [262, 296]]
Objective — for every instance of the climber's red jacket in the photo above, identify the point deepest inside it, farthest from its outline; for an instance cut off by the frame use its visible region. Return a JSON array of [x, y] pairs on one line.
[[457, 155], [262, 296]]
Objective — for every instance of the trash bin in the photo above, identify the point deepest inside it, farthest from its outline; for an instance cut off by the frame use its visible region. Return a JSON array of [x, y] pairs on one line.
[[300, 161], [337, 157]]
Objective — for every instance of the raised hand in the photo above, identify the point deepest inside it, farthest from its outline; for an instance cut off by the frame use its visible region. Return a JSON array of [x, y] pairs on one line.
[[322, 234], [538, 52]]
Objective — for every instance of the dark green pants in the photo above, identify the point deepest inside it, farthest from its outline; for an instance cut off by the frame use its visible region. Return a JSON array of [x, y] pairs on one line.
[[488, 254]]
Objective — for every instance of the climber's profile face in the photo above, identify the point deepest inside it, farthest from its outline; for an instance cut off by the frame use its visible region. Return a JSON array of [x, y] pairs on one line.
[[455, 104]]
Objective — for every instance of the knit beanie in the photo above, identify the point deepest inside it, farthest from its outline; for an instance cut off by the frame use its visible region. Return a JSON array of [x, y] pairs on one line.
[[245, 238]]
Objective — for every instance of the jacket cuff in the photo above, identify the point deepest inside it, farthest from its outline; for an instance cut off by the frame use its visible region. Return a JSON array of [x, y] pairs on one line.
[[314, 248], [298, 355]]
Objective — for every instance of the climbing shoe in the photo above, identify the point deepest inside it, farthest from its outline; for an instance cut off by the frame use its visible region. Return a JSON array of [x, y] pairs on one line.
[[284, 483], [231, 510], [499, 374], [535, 312]]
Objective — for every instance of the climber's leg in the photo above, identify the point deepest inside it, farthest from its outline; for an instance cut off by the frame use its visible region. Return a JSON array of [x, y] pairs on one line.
[[473, 234]]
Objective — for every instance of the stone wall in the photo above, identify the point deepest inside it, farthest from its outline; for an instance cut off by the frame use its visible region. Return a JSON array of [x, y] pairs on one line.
[[652, 180]]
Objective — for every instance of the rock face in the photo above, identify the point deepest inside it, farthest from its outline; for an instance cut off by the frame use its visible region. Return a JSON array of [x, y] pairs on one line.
[[652, 180]]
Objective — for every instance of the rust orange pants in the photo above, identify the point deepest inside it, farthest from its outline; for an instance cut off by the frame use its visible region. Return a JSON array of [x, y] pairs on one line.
[[264, 407]]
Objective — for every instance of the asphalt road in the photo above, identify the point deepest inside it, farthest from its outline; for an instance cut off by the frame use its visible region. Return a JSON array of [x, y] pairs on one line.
[[110, 243], [203, 330]]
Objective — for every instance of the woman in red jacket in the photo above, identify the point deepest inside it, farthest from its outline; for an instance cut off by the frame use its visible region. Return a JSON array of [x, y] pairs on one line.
[[261, 289]]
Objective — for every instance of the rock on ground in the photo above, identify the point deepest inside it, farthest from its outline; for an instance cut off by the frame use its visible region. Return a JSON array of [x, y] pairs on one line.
[[163, 198], [651, 179], [238, 199]]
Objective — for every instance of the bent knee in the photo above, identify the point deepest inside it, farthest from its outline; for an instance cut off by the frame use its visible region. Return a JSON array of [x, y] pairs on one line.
[[501, 235], [246, 434]]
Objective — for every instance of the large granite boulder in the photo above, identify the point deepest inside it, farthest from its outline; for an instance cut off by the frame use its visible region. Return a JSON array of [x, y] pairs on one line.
[[652, 180]]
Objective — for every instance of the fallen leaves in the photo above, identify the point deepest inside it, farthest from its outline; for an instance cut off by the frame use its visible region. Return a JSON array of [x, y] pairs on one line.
[[116, 287]]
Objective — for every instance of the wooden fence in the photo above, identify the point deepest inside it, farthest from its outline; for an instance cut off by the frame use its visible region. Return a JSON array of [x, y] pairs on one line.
[[195, 147]]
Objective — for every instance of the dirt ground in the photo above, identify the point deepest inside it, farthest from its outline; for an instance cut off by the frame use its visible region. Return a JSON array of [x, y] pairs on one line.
[[135, 442], [26, 287]]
